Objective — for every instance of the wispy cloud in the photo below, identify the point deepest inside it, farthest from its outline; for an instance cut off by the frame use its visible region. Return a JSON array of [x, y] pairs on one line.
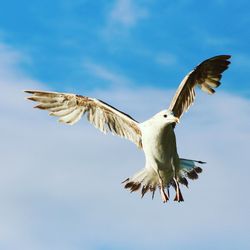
[[217, 40], [10, 60], [210, 39], [12, 75], [166, 59], [124, 15], [207, 38], [106, 74], [127, 13]]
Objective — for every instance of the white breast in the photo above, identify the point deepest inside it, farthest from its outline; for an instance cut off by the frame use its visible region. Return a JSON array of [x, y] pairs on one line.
[[159, 145]]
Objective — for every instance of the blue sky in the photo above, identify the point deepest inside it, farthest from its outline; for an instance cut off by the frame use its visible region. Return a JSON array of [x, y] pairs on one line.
[[152, 43], [60, 186]]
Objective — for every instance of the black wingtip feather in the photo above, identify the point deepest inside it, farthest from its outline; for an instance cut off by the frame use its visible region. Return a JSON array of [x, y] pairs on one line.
[[28, 91]]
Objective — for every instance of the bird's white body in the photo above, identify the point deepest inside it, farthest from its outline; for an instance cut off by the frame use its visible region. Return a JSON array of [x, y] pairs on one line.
[[159, 144]]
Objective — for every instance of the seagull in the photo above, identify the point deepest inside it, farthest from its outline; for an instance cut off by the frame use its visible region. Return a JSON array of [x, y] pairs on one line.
[[155, 136]]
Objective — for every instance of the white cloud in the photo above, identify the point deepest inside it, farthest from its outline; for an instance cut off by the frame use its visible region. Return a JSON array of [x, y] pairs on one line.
[[106, 74], [60, 185], [122, 17], [127, 13], [10, 60], [166, 59], [212, 39], [217, 41]]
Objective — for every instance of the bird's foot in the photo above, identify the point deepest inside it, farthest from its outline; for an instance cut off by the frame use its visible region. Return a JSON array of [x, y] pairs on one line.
[[164, 196], [178, 196]]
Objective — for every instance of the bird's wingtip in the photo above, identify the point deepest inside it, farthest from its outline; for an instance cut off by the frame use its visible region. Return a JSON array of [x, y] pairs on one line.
[[28, 91]]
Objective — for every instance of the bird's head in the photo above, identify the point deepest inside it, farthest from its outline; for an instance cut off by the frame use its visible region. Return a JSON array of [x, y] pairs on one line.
[[165, 118]]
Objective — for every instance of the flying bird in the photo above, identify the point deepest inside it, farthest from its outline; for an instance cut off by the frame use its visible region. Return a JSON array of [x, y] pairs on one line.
[[155, 136]]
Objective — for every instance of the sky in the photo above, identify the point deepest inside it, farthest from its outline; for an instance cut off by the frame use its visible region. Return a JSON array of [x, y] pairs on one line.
[[60, 186]]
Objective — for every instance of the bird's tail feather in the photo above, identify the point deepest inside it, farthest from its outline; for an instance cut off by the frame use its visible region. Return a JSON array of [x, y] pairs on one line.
[[188, 169], [145, 179], [148, 179]]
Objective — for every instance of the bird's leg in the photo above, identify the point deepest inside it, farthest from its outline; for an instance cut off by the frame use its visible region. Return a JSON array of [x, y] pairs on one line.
[[178, 196], [164, 196]]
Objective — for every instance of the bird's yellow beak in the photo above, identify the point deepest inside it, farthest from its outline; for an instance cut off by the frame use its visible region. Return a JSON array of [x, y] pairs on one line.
[[176, 120]]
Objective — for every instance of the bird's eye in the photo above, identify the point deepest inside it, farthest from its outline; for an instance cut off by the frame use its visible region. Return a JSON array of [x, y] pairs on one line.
[[165, 116]]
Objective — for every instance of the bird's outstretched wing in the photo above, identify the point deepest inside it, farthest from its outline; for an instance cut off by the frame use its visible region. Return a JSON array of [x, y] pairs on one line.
[[206, 75], [70, 108]]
